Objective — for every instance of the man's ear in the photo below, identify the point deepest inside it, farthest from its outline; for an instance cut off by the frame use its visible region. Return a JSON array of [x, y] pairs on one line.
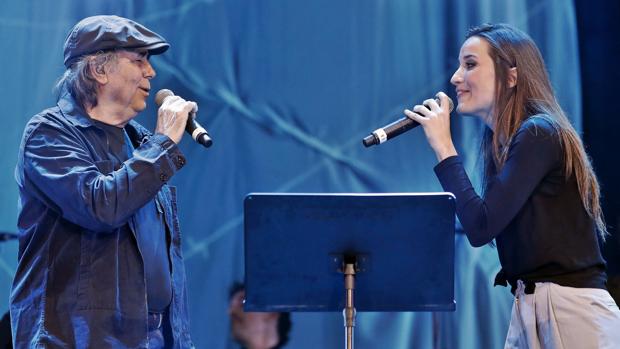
[[98, 72], [512, 77]]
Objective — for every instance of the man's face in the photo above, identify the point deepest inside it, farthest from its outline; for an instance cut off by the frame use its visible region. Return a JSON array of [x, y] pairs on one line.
[[252, 330], [129, 83]]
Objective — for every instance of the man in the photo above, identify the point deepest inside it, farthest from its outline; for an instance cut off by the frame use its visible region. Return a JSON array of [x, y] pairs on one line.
[[99, 255], [256, 330]]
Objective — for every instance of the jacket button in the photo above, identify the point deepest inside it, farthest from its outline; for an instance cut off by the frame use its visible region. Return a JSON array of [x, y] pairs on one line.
[[180, 161], [163, 177]]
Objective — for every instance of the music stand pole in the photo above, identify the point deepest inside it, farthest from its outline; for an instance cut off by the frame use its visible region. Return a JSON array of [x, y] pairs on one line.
[[349, 311]]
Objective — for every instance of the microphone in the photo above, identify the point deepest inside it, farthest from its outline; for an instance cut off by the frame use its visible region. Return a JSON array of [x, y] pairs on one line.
[[394, 129], [6, 236], [199, 134]]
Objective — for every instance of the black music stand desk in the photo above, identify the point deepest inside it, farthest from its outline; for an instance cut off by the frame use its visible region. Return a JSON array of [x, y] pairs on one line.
[[395, 250]]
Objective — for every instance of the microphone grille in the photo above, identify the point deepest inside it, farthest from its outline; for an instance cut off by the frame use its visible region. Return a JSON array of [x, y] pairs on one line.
[[161, 95], [451, 104]]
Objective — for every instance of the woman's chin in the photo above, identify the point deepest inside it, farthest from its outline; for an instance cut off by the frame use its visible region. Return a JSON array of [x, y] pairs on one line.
[[469, 112], [462, 109]]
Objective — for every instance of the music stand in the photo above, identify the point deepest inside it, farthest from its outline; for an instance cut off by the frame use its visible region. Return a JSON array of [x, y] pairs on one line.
[[396, 250]]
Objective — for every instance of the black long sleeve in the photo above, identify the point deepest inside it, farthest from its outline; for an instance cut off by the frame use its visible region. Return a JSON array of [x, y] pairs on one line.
[[543, 233]]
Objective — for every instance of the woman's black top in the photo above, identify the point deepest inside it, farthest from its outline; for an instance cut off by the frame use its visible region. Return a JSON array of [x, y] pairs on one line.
[[534, 213]]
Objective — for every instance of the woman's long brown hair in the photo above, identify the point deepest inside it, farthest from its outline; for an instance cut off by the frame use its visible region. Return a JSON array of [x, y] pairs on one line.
[[532, 96]]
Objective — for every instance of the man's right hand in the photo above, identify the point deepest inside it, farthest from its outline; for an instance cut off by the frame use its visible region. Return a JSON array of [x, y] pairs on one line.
[[172, 117]]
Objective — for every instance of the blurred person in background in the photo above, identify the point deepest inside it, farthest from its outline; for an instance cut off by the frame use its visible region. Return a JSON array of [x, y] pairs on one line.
[[253, 330]]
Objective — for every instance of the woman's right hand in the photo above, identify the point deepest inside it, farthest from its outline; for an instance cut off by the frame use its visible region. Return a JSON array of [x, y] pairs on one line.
[[436, 124]]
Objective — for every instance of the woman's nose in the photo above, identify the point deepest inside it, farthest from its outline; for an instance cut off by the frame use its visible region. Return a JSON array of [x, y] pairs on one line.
[[457, 77]]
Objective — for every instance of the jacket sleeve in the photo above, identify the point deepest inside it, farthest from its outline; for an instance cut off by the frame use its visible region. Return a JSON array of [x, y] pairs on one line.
[[533, 153], [88, 193]]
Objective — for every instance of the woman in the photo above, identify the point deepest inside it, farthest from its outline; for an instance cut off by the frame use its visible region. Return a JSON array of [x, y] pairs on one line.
[[541, 196]]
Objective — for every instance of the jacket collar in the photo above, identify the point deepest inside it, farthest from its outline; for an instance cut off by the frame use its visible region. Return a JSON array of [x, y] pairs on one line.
[[74, 113], [77, 116]]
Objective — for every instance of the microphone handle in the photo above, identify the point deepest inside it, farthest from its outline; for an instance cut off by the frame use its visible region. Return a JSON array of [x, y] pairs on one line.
[[199, 134], [396, 128], [390, 131]]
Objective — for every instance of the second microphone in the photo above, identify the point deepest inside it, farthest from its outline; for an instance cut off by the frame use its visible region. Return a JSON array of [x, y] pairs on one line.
[[394, 129], [199, 134]]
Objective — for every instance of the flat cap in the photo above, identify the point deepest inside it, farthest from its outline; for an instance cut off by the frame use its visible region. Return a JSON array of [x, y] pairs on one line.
[[103, 33]]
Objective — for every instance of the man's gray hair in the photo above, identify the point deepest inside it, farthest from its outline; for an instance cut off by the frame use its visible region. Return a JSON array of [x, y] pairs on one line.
[[79, 80]]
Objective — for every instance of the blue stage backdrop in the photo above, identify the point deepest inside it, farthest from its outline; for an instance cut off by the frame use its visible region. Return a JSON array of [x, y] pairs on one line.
[[288, 89]]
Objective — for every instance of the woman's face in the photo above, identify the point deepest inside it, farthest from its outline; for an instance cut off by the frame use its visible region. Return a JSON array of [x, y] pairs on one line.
[[475, 80]]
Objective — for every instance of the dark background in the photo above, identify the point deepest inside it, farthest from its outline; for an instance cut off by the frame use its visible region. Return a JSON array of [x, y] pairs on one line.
[[598, 24]]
